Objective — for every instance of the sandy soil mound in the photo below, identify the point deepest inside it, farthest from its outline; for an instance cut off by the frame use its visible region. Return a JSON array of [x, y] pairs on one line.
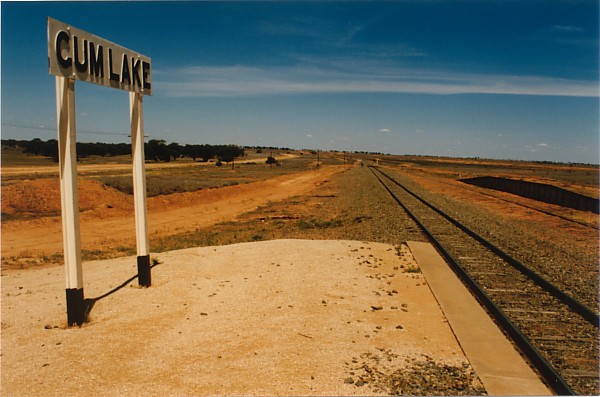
[[287, 317], [41, 197]]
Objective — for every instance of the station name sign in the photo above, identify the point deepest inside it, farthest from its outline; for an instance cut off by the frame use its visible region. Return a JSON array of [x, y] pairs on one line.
[[76, 54]]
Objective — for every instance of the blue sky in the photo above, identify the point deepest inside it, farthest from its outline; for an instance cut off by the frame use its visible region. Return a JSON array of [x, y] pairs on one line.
[[495, 79]]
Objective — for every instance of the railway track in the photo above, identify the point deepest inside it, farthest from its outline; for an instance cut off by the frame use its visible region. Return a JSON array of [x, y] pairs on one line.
[[557, 333]]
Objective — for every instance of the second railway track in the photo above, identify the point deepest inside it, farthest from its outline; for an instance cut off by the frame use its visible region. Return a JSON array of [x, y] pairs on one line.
[[558, 334]]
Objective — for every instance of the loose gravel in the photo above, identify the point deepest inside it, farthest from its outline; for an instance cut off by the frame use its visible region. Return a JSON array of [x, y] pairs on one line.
[[419, 376]]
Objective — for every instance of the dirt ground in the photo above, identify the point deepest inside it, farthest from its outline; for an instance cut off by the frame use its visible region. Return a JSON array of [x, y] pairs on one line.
[[107, 220], [225, 320], [284, 317], [31, 223]]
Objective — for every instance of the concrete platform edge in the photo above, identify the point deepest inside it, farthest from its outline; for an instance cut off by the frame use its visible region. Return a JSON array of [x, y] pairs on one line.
[[500, 367]]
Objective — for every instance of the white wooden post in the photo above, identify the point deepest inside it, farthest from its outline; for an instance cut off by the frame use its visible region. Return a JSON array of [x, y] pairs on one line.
[[65, 120], [139, 189]]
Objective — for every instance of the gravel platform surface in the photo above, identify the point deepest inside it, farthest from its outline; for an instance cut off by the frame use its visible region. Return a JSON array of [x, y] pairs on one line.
[[286, 317]]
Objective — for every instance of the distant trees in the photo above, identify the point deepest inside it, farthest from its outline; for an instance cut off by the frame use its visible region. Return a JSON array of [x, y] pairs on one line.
[[202, 152], [37, 147], [154, 150], [261, 148], [228, 153], [86, 149], [49, 148], [157, 150]]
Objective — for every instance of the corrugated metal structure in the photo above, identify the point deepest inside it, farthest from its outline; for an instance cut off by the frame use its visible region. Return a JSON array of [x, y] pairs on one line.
[[537, 191]]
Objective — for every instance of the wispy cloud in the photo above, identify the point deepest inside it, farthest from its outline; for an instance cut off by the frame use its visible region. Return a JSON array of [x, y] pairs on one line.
[[294, 26], [567, 28], [569, 35], [540, 147], [385, 130], [244, 81]]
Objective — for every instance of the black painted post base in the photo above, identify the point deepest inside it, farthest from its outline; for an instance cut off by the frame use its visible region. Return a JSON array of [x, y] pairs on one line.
[[76, 307], [144, 277]]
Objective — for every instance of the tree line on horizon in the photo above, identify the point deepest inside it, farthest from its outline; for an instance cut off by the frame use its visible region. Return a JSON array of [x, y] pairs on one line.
[[154, 150]]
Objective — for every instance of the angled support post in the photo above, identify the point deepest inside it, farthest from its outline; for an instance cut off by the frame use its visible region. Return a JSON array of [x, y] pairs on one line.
[[139, 189], [67, 156]]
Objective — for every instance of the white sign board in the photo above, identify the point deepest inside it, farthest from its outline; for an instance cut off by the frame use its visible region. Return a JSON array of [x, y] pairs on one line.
[[76, 54]]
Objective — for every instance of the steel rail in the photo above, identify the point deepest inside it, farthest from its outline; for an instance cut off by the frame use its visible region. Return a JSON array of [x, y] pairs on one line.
[[578, 307], [546, 370]]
